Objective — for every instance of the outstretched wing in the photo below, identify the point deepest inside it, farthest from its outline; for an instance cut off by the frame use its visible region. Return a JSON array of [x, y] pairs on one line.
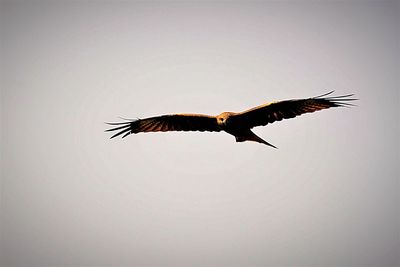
[[276, 111], [176, 122]]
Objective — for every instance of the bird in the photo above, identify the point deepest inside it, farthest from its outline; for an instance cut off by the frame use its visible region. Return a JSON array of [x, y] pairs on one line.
[[238, 124]]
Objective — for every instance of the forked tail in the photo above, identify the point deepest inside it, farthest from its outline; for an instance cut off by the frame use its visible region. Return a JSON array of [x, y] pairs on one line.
[[250, 136]]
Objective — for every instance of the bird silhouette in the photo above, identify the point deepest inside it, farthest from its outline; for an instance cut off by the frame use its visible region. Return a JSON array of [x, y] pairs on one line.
[[237, 124]]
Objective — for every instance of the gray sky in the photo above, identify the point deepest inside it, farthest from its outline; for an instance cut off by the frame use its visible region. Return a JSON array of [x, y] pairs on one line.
[[71, 197]]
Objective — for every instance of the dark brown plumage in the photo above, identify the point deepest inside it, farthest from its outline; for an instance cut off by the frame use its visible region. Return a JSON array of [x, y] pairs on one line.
[[236, 124]]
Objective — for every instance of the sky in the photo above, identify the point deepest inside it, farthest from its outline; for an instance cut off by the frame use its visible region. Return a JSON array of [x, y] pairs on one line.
[[70, 196]]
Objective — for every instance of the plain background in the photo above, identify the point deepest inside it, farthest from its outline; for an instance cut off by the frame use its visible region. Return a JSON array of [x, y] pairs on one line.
[[70, 196]]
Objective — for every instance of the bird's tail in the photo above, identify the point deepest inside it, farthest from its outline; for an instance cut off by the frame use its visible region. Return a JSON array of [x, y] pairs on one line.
[[250, 136]]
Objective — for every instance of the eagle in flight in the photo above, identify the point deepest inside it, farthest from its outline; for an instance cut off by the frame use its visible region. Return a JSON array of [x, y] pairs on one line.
[[237, 124]]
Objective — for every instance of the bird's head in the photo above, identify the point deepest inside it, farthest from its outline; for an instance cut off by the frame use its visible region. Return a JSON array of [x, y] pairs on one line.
[[223, 118]]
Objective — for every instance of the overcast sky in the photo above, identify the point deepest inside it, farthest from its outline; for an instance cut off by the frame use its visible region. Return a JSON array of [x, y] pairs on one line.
[[70, 196]]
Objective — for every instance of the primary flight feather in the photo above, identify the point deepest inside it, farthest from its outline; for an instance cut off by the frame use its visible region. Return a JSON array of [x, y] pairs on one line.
[[236, 124]]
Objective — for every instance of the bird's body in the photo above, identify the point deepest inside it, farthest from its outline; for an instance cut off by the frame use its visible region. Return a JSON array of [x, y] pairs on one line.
[[237, 124], [226, 120]]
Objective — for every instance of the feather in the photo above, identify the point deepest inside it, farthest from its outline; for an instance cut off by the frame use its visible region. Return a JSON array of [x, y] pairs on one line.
[[175, 122], [276, 111]]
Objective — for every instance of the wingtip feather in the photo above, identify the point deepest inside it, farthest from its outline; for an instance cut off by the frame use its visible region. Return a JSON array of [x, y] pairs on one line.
[[337, 101], [122, 128], [330, 92]]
